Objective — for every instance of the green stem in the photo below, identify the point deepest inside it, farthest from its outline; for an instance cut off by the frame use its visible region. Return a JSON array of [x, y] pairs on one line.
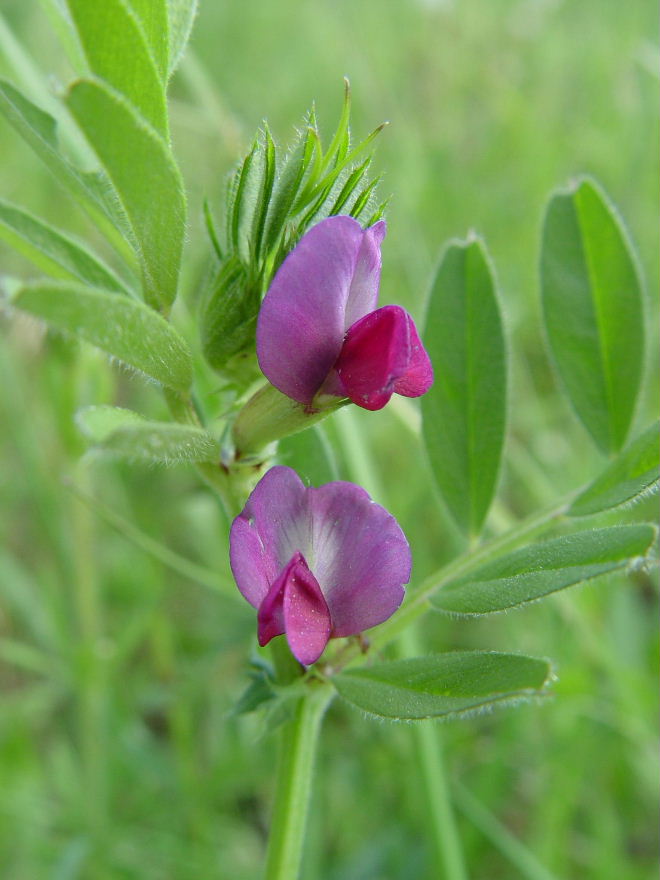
[[427, 739], [298, 740], [224, 483]]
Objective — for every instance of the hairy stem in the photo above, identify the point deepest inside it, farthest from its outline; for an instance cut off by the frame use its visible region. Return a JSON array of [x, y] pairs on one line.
[[298, 741]]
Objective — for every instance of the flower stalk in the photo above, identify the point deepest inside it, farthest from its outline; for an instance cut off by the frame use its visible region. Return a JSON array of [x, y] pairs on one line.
[[298, 745], [270, 415]]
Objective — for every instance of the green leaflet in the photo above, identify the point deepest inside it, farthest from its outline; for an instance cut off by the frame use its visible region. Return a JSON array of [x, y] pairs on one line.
[[123, 328], [633, 472], [153, 19], [539, 569], [60, 20], [146, 178], [126, 433], [592, 307], [117, 52], [53, 251], [181, 15], [98, 422], [464, 413], [92, 189], [442, 686]]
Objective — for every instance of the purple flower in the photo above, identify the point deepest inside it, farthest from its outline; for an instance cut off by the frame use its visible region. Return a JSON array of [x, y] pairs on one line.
[[319, 329], [317, 563]]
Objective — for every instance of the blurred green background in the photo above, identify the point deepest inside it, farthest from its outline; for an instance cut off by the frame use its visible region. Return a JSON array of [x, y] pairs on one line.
[[118, 668]]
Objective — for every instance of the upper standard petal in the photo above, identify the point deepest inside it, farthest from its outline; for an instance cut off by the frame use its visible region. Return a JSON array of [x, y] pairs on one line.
[[361, 557], [273, 524], [363, 293], [334, 268]]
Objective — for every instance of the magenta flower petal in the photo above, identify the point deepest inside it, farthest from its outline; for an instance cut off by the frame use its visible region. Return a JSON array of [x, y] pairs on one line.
[[363, 293], [362, 558], [258, 549], [418, 377], [295, 606], [383, 354], [333, 271], [317, 563]]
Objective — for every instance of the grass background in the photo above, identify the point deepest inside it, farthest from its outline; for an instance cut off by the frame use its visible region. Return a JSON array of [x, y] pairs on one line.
[[117, 672]]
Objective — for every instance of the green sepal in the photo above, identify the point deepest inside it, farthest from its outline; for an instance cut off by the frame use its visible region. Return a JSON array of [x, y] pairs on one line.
[[243, 189], [269, 160], [286, 188], [270, 415], [259, 691], [229, 316]]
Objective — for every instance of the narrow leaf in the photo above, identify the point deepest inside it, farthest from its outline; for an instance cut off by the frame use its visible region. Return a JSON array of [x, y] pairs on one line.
[[181, 15], [152, 15], [125, 433], [123, 328], [634, 472], [53, 251], [464, 413], [98, 422], [60, 21], [537, 570], [117, 52], [92, 189], [145, 176], [442, 686], [162, 443], [592, 305]]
